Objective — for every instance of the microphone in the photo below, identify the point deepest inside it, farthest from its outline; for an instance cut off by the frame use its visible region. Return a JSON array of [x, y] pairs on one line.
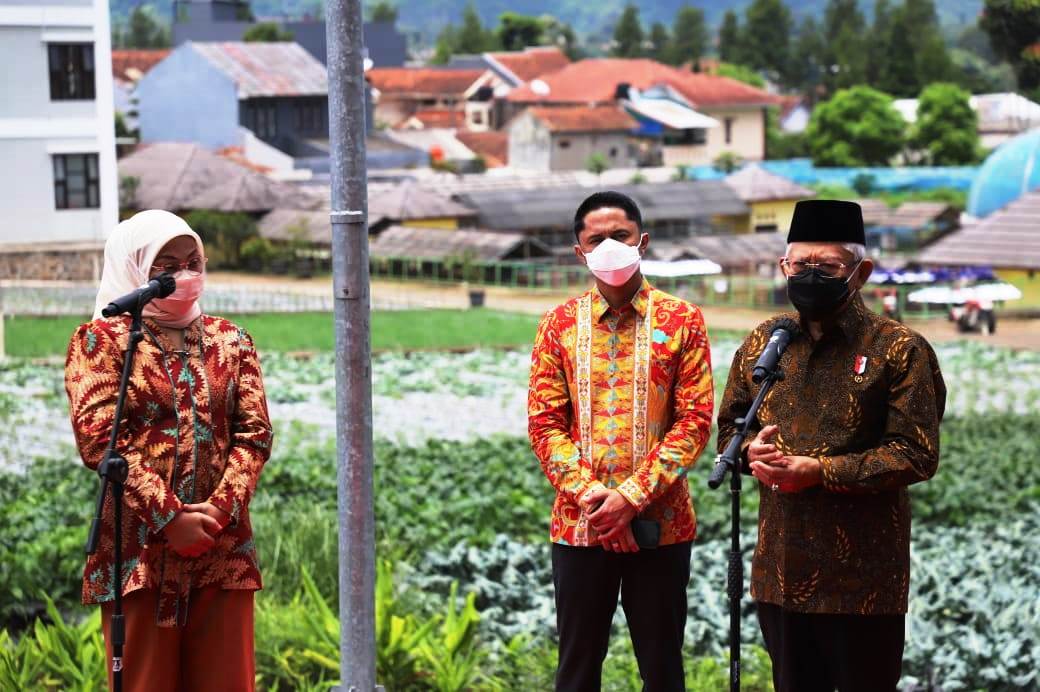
[[159, 287], [783, 330]]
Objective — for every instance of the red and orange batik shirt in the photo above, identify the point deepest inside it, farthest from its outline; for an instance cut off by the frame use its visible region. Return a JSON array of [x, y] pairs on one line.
[[195, 429], [621, 399]]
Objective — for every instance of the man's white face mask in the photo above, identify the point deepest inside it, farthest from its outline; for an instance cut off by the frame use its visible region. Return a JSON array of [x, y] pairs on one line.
[[614, 262]]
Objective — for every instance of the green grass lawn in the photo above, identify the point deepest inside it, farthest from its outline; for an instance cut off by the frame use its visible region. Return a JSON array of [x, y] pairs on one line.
[[38, 337]]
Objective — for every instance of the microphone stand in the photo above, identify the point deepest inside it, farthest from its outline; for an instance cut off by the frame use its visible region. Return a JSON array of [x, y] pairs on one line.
[[729, 461], [114, 471]]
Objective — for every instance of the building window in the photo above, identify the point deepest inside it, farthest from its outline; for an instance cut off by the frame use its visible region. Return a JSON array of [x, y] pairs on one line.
[[310, 117], [729, 130], [613, 152], [688, 137], [265, 120], [76, 181], [71, 71], [478, 117], [565, 144]]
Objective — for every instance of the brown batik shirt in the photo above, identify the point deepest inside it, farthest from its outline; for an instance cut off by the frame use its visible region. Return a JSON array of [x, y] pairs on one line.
[[866, 400]]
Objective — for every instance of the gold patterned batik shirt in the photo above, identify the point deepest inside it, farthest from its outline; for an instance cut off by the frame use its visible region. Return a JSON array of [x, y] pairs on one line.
[[621, 399], [866, 400], [195, 429]]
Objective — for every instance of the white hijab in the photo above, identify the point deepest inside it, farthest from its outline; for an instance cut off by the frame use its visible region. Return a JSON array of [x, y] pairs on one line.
[[129, 254]]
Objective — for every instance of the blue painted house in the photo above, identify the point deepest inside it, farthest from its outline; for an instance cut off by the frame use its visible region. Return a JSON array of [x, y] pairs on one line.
[[212, 93]]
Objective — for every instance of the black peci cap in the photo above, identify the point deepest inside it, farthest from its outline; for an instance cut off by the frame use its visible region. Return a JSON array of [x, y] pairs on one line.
[[827, 221]]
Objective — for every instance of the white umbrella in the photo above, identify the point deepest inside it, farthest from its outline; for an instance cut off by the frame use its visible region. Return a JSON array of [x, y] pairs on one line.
[[982, 292]]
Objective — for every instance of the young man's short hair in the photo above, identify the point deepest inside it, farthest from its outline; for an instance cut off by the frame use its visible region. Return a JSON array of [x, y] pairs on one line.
[[607, 199]]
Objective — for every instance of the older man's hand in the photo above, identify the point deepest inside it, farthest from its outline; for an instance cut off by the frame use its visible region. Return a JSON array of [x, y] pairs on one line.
[[788, 474]]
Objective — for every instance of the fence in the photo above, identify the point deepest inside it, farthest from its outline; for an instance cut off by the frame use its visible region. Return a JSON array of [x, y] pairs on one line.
[[418, 283]]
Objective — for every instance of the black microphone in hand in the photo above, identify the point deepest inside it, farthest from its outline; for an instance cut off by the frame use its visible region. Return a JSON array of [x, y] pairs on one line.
[[783, 331], [159, 287]]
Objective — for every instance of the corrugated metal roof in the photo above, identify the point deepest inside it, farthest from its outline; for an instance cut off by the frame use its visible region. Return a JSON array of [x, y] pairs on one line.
[[1009, 238], [437, 243], [267, 69], [729, 250], [516, 209], [178, 176], [408, 201], [914, 214], [755, 184]]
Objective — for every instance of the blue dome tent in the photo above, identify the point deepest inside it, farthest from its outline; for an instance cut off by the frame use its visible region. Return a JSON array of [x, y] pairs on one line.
[[1012, 170]]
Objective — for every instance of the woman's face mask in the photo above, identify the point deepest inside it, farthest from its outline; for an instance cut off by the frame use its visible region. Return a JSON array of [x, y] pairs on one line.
[[189, 289], [614, 262]]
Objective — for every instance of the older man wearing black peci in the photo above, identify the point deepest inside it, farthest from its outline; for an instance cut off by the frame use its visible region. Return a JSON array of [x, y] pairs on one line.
[[836, 443]]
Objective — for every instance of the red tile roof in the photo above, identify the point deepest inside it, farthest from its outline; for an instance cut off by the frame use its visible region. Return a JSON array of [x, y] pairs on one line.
[[596, 80], [436, 117], [491, 146], [607, 118], [533, 62], [421, 80], [139, 60]]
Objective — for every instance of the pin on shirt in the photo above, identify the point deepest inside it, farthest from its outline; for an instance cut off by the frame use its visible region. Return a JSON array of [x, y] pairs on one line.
[[860, 367]]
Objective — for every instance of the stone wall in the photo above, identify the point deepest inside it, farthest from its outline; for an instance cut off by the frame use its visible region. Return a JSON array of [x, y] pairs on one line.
[[68, 262]]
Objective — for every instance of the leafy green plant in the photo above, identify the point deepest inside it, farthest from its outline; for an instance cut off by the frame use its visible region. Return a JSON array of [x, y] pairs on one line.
[[55, 655]]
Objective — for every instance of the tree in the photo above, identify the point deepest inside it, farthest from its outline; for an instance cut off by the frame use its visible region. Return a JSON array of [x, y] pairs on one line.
[[472, 36], [880, 35], [915, 51], [596, 164], [726, 162], [443, 49], [661, 43], [266, 32], [845, 45], [143, 29], [518, 31], [766, 38], [561, 35], [730, 44], [741, 73], [806, 70], [1013, 27], [946, 131], [856, 127], [689, 36], [384, 11], [628, 34]]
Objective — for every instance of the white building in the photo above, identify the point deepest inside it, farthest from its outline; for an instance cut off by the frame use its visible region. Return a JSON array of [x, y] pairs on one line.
[[1001, 116], [57, 135]]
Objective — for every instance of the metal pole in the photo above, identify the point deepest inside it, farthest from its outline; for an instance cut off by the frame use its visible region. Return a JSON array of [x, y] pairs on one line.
[[353, 346]]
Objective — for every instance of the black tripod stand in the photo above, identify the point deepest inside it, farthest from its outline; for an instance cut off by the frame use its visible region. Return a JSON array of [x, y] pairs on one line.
[[729, 461], [113, 471]]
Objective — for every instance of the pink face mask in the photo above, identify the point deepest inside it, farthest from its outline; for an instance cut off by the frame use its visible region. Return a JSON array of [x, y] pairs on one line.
[[614, 262], [182, 302]]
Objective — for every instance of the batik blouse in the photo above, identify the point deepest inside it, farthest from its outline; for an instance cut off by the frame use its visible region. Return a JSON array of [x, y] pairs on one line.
[[195, 429]]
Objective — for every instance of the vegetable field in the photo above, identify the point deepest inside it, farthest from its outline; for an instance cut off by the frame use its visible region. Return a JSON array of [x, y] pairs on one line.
[[464, 593]]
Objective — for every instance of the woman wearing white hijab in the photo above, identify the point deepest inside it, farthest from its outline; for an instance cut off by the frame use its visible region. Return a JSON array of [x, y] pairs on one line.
[[196, 434]]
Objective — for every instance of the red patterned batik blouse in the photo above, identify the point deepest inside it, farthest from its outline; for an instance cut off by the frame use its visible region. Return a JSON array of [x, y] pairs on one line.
[[195, 429], [621, 399]]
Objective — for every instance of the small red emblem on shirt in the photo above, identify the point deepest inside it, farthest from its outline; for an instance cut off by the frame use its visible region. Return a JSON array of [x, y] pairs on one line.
[[861, 365]]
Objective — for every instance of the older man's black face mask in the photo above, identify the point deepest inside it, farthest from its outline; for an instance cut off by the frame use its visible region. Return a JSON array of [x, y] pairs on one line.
[[816, 295]]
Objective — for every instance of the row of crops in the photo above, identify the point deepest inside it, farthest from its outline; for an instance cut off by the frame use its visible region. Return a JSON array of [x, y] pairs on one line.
[[465, 595]]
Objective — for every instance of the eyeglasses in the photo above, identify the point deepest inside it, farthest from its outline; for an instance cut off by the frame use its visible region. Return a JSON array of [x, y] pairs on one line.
[[194, 266], [831, 269]]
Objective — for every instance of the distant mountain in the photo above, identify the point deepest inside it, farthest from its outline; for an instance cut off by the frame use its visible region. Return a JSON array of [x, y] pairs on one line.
[[427, 17]]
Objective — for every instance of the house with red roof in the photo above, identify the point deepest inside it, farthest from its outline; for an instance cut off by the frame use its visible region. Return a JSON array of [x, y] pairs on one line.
[[564, 138], [400, 93], [696, 116]]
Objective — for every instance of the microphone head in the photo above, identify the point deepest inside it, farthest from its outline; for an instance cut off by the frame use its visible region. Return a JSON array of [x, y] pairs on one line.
[[786, 323], [167, 285]]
